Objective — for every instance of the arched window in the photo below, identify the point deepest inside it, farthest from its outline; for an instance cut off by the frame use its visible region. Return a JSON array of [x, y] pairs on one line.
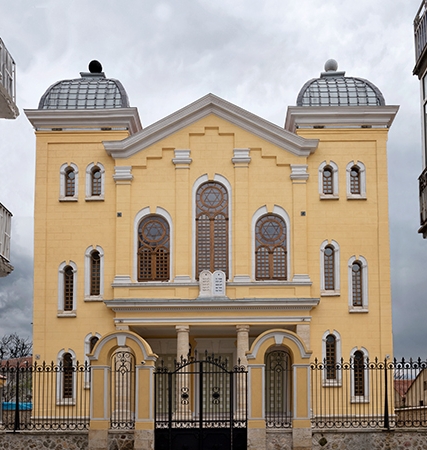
[[270, 248], [211, 228], [329, 267], [92, 342], [357, 291], [356, 180], [359, 375], [358, 284], [331, 350], [331, 357], [95, 273], [153, 249], [95, 182], [66, 378], [328, 180], [68, 182], [67, 375], [68, 288], [278, 375]]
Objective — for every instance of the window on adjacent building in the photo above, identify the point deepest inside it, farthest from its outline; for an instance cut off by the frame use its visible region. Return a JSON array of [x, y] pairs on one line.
[[211, 228], [68, 182], [356, 180], [328, 180], [153, 249], [270, 248]]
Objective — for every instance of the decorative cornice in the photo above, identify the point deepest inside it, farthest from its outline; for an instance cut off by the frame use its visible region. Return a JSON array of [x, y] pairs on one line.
[[339, 116], [85, 119], [212, 304], [211, 104]]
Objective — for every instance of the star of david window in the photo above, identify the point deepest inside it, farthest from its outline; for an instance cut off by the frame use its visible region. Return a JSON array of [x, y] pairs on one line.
[[153, 249], [270, 248], [211, 228]]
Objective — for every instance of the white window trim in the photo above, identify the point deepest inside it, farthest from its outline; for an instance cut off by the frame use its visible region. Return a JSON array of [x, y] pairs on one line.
[[279, 211], [61, 312], [139, 216], [328, 292], [338, 358], [88, 252], [60, 400], [62, 196], [360, 398], [335, 193], [222, 180], [89, 196], [88, 337], [362, 172], [364, 307]]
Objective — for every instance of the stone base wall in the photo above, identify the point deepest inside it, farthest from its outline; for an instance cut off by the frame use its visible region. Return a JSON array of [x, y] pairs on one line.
[[57, 440], [372, 440]]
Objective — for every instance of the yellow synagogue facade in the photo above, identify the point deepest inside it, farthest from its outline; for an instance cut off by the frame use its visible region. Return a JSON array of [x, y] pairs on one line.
[[212, 236]]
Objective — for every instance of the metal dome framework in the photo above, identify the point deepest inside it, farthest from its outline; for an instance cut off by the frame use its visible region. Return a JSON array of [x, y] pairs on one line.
[[333, 89], [91, 91]]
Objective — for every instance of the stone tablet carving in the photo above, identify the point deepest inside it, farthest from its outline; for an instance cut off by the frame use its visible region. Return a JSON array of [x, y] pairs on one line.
[[212, 285]]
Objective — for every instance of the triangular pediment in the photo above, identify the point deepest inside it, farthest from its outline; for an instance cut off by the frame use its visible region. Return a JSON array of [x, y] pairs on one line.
[[205, 106]]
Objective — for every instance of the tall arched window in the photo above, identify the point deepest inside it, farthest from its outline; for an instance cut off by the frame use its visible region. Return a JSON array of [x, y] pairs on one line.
[[356, 180], [67, 376], [357, 283], [278, 375], [211, 228], [95, 273], [331, 357], [270, 248], [96, 181], [329, 268], [359, 375], [328, 180], [68, 288], [153, 249], [70, 182], [68, 186]]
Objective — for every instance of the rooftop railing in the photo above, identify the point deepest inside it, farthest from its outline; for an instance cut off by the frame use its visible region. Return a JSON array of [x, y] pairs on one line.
[[420, 30]]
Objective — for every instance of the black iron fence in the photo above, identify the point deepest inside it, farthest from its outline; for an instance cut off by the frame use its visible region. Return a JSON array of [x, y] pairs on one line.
[[365, 393], [360, 393]]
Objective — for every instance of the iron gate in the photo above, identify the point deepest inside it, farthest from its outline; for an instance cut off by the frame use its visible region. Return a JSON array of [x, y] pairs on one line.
[[201, 405]]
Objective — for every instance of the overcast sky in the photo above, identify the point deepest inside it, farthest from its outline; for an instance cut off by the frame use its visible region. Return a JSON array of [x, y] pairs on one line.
[[256, 54]]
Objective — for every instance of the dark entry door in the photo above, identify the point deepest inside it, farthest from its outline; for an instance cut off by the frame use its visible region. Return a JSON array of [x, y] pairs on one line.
[[201, 405]]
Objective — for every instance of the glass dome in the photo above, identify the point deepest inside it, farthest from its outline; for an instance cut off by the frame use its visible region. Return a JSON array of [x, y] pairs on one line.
[[92, 91], [334, 89]]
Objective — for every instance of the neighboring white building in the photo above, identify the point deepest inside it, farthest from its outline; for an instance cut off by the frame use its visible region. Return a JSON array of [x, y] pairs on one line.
[[8, 110]]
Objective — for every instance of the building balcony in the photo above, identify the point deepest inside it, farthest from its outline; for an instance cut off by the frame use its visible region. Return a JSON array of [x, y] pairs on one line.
[[5, 229], [8, 108], [423, 202]]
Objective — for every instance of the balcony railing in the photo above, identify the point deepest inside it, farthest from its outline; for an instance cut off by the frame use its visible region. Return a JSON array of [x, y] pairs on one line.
[[8, 108], [422, 179]]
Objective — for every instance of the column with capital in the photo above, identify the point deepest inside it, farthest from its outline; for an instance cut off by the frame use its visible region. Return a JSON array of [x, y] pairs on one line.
[[182, 380], [242, 348]]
